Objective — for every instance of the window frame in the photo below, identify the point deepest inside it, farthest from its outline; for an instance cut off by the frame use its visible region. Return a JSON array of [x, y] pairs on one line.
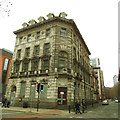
[[46, 65], [27, 50], [63, 32], [38, 35], [24, 66], [19, 53], [46, 48], [48, 32], [29, 37]]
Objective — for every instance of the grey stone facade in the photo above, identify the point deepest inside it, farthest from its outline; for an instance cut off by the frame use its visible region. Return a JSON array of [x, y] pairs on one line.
[[61, 67]]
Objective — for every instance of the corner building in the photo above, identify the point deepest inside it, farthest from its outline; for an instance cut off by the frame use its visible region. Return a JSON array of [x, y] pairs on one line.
[[53, 53]]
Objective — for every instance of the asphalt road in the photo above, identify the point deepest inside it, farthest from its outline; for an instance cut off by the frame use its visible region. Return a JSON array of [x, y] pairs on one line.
[[102, 111]]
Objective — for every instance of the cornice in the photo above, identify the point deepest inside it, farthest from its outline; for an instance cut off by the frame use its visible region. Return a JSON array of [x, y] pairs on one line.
[[55, 19]]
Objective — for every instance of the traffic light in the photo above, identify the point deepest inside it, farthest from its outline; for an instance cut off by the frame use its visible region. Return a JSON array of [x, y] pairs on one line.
[[41, 88], [38, 87]]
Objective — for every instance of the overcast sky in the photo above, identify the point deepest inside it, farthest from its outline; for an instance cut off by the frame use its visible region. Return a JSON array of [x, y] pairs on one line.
[[97, 21]]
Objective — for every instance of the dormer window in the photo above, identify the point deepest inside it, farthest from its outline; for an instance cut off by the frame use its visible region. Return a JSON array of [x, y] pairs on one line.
[[62, 14], [41, 19], [50, 15], [31, 22], [24, 24]]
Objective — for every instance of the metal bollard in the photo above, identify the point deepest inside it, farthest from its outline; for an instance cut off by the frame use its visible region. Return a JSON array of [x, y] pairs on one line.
[[69, 108]]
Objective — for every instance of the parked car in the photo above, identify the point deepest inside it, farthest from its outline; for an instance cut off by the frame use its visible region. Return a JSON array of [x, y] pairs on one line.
[[116, 101], [105, 102]]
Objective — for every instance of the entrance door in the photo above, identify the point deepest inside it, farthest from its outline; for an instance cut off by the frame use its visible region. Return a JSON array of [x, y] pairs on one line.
[[62, 95]]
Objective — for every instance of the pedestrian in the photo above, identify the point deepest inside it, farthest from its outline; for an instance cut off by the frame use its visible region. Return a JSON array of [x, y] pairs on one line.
[[77, 106], [8, 103], [5, 102], [83, 105]]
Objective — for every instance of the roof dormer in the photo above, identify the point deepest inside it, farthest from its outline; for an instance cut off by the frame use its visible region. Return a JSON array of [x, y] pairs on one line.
[[62, 14], [41, 18], [50, 15], [24, 24], [31, 22]]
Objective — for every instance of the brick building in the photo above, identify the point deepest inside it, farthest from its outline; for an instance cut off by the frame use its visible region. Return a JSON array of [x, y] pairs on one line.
[[95, 62], [53, 53], [5, 64]]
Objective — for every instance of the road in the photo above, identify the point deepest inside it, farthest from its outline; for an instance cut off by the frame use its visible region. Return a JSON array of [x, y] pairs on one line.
[[102, 111]]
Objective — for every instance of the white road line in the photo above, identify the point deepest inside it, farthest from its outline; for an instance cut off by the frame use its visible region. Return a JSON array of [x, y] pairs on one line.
[[10, 113]]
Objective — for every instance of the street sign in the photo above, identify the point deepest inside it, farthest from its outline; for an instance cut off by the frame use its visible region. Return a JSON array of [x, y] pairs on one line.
[[62, 93], [73, 88], [33, 85]]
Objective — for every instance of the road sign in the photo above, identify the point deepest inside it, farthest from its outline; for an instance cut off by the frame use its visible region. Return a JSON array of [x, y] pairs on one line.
[[73, 88], [62, 93]]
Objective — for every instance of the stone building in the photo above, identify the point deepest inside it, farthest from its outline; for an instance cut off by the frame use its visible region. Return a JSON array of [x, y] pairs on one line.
[[53, 53]]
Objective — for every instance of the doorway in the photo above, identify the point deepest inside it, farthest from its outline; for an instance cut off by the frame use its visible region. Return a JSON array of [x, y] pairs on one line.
[[62, 95]]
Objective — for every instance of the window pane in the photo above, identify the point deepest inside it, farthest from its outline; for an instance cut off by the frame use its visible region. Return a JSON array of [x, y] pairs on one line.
[[29, 37], [46, 64], [20, 40], [63, 32], [62, 63], [46, 47], [17, 68], [38, 35], [35, 65], [27, 52], [47, 32], [19, 54], [36, 50], [25, 67]]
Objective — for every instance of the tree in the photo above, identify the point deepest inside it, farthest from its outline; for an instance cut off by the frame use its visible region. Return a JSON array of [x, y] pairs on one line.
[[5, 7]]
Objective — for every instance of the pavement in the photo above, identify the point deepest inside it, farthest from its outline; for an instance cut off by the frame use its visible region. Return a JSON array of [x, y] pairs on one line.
[[45, 112]]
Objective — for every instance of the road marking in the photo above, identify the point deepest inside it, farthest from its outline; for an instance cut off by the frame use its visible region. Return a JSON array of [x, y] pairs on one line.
[[11, 113]]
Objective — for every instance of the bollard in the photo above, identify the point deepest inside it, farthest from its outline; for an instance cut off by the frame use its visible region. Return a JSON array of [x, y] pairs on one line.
[[69, 108]]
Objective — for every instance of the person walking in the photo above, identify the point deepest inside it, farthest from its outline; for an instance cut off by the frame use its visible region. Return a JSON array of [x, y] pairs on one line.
[[83, 105], [77, 106]]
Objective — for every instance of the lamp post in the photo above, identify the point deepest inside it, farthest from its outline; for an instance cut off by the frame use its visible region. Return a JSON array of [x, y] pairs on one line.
[[84, 80], [38, 90], [32, 87]]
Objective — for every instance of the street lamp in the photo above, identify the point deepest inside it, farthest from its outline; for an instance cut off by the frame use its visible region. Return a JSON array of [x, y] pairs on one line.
[[84, 80]]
